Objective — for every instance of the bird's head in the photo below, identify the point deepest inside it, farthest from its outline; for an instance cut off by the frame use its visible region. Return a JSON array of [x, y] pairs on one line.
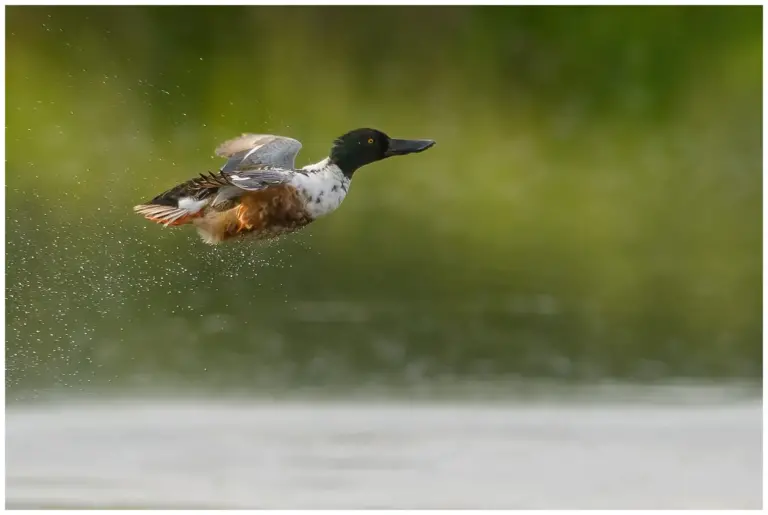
[[364, 146]]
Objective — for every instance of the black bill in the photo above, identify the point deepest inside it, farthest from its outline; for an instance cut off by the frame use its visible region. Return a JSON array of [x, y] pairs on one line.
[[399, 147]]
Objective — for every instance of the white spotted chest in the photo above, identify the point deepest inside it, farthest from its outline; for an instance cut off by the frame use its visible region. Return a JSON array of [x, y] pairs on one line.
[[323, 188]]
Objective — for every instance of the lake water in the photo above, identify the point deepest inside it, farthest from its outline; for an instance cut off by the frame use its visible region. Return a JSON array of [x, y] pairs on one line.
[[235, 453]]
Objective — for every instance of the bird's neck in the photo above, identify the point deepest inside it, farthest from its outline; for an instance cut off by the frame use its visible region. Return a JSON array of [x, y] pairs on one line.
[[316, 167], [327, 164], [347, 162]]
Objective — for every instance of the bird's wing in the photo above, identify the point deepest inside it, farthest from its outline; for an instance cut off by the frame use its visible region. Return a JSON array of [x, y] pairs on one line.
[[256, 150], [260, 178], [256, 179]]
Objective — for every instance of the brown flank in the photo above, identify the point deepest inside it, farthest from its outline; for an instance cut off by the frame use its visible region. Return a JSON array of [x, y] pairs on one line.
[[264, 214]]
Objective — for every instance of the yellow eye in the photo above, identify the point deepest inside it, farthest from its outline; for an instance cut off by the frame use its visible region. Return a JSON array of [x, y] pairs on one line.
[[370, 140]]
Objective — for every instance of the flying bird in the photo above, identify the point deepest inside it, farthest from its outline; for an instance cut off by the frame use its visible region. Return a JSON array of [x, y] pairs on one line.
[[260, 193]]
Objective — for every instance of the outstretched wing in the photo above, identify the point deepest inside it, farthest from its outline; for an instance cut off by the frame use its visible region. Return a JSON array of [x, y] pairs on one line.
[[257, 150]]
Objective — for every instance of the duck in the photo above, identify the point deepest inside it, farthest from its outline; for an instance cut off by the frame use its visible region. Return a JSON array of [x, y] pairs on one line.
[[259, 193]]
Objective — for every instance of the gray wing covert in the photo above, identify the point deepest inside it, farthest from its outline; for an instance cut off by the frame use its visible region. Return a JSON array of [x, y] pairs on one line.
[[251, 151], [260, 178], [256, 179]]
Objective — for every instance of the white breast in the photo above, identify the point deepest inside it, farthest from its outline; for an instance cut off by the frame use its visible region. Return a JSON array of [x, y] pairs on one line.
[[323, 188]]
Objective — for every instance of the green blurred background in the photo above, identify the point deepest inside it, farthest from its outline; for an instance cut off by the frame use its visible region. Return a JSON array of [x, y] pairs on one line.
[[592, 209]]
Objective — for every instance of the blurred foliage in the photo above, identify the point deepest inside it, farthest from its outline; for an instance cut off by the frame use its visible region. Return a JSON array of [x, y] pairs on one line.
[[592, 208]]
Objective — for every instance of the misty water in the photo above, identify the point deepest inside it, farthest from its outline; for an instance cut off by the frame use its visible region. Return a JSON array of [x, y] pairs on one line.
[[656, 448]]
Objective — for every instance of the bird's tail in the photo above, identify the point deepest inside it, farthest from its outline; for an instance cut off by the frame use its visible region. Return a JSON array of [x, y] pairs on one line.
[[166, 215], [183, 203]]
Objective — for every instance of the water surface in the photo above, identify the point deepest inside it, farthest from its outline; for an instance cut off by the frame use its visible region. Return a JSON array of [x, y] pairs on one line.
[[291, 454]]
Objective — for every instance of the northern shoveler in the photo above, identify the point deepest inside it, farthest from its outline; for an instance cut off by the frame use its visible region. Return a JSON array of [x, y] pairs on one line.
[[259, 192]]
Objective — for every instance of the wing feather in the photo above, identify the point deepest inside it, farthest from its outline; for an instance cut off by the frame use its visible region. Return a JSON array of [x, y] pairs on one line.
[[260, 178], [254, 150]]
